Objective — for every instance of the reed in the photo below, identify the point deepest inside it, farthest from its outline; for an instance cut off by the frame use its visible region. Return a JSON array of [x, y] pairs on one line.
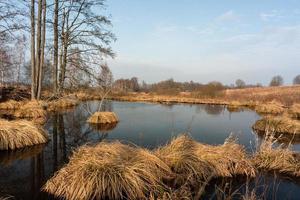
[[20, 133], [295, 111], [109, 171], [32, 110], [63, 103], [103, 118]]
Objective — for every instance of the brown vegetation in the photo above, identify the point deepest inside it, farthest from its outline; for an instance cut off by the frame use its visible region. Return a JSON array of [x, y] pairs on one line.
[[273, 107], [10, 105], [103, 118], [19, 134], [295, 111], [32, 110], [279, 125], [64, 103], [280, 159]]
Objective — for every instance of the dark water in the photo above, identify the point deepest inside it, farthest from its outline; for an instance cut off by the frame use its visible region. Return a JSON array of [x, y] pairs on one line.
[[22, 173]]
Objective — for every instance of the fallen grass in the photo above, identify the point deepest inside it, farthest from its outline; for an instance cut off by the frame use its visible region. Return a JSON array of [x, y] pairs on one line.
[[10, 105], [273, 107], [279, 125], [109, 171], [103, 118], [270, 157], [20, 133]]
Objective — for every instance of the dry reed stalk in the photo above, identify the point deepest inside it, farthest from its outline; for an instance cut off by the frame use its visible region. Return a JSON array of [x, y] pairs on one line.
[[278, 125], [273, 107], [277, 158], [109, 171], [20, 133], [103, 118], [104, 127], [10, 105]]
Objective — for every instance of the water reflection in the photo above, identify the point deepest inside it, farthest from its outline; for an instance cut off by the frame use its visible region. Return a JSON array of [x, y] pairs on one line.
[[23, 172]]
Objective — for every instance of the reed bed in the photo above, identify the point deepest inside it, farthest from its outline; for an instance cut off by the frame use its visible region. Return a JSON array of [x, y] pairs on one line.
[[279, 125], [103, 118], [273, 107], [32, 110], [62, 104], [109, 171], [270, 157], [104, 127], [10, 105], [20, 133]]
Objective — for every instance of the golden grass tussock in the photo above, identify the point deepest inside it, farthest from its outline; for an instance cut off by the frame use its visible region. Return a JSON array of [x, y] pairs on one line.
[[104, 127], [20, 133], [32, 110], [109, 171], [273, 107], [180, 155], [277, 158], [64, 103], [103, 118], [295, 111], [228, 160], [10, 105], [278, 125]]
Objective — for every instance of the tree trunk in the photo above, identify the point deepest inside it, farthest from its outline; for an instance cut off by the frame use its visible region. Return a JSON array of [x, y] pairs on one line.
[[38, 47], [55, 46], [42, 51], [33, 86]]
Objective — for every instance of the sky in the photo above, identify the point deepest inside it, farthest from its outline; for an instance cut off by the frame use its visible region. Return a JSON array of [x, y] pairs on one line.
[[206, 40]]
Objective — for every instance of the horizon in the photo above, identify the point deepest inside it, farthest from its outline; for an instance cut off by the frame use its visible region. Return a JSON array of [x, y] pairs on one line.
[[205, 41]]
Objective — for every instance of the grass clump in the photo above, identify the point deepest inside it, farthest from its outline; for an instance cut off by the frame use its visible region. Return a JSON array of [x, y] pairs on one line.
[[228, 160], [277, 158], [180, 155], [10, 105], [20, 133], [32, 110], [295, 111], [278, 125], [103, 118], [64, 103], [273, 107], [109, 171]]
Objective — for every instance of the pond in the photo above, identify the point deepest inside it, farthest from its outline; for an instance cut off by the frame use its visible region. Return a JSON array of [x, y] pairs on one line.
[[23, 172]]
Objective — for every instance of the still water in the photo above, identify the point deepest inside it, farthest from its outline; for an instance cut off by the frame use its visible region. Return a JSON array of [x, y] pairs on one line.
[[23, 172]]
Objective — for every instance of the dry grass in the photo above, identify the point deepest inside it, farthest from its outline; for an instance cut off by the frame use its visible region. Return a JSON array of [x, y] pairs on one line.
[[10, 105], [103, 118], [19, 134], [228, 160], [64, 103], [295, 111], [273, 107], [279, 125], [109, 171], [180, 155], [32, 110], [279, 159]]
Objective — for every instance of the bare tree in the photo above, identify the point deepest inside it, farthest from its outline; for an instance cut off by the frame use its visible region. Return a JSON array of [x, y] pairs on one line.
[[240, 83]]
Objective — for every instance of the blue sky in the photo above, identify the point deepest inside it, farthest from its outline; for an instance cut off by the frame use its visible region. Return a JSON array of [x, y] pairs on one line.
[[206, 40]]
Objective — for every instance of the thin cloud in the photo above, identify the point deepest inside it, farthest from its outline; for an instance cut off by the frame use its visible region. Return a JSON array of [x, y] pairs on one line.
[[228, 16]]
